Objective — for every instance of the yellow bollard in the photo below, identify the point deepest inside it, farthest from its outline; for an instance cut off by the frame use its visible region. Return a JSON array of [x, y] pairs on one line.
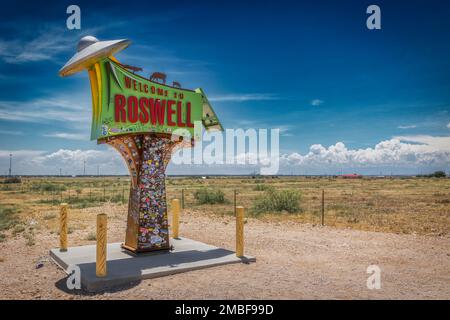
[[100, 265], [239, 231], [175, 217], [63, 227]]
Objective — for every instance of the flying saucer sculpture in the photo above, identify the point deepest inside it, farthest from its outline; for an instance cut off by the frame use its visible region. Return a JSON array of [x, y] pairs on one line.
[[89, 51], [144, 121]]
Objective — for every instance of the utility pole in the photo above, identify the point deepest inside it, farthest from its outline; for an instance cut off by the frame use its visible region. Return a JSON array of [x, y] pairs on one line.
[[323, 207], [60, 172], [98, 170], [10, 163], [84, 167]]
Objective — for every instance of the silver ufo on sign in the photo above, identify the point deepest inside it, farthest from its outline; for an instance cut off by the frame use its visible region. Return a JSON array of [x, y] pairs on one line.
[[89, 51]]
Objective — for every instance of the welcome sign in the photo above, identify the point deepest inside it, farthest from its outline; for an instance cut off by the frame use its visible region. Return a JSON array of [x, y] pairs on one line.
[[138, 117], [126, 103]]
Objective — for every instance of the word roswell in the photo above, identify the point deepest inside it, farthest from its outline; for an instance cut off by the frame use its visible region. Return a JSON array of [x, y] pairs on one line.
[[166, 110], [156, 111]]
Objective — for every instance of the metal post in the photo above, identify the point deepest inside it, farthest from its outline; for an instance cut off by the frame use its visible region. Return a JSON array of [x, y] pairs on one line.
[[182, 198], [234, 201], [63, 227], [323, 207], [239, 231], [175, 217], [100, 265], [10, 164]]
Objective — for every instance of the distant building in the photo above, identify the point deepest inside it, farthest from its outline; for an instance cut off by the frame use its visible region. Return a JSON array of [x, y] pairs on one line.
[[352, 176]]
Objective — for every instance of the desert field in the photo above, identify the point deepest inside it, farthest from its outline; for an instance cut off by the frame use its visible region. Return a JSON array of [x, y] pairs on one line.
[[401, 224]]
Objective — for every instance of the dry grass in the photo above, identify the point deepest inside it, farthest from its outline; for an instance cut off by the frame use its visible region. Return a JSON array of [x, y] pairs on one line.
[[413, 205]]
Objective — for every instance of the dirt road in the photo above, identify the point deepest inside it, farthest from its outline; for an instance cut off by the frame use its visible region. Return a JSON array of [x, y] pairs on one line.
[[294, 261]]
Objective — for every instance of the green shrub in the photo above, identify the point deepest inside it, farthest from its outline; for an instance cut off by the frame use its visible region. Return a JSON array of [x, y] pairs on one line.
[[277, 201], [12, 180], [438, 174], [83, 203], [47, 187], [209, 196], [29, 236], [91, 236], [50, 187], [262, 187], [18, 229], [50, 216], [8, 218], [118, 198]]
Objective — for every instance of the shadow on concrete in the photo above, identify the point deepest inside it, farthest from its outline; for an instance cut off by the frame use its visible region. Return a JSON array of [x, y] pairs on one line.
[[62, 285], [125, 271], [136, 264], [123, 274]]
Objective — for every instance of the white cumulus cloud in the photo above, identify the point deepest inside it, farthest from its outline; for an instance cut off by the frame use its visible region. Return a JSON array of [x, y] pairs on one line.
[[316, 102], [244, 97], [398, 151], [67, 135]]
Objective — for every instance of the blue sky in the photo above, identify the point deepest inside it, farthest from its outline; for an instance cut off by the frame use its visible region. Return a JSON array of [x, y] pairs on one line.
[[312, 69]]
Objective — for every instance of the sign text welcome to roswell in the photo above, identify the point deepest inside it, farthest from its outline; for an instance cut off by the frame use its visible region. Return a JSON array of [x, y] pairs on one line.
[[124, 103]]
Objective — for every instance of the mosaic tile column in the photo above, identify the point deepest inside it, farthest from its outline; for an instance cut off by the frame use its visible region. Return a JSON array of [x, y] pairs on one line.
[[147, 157]]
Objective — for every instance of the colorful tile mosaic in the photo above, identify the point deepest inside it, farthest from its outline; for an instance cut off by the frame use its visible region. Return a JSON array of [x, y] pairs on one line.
[[147, 157]]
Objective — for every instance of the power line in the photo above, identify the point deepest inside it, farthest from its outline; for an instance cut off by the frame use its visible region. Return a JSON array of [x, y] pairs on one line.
[[10, 164]]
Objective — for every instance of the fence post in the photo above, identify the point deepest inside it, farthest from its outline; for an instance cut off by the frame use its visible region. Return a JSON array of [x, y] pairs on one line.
[[182, 198], [63, 227], [175, 217], [323, 207], [100, 264], [239, 231], [234, 201]]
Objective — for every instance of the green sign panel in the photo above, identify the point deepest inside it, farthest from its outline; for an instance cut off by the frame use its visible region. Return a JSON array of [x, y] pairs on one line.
[[125, 103]]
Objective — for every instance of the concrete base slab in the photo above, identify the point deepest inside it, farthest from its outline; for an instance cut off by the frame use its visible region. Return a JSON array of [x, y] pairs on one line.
[[124, 268]]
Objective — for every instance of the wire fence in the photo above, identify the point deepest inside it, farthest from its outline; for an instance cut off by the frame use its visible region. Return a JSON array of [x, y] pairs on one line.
[[393, 205], [79, 193], [397, 205]]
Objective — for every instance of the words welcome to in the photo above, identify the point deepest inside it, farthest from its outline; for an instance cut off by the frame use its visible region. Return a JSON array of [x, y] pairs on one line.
[[158, 111]]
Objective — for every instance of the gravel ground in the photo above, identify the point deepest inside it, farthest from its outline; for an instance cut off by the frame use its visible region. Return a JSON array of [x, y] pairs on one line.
[[294, 261]]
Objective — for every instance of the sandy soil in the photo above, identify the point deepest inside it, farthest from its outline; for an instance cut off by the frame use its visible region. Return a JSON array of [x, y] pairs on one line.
[[294, 261]]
